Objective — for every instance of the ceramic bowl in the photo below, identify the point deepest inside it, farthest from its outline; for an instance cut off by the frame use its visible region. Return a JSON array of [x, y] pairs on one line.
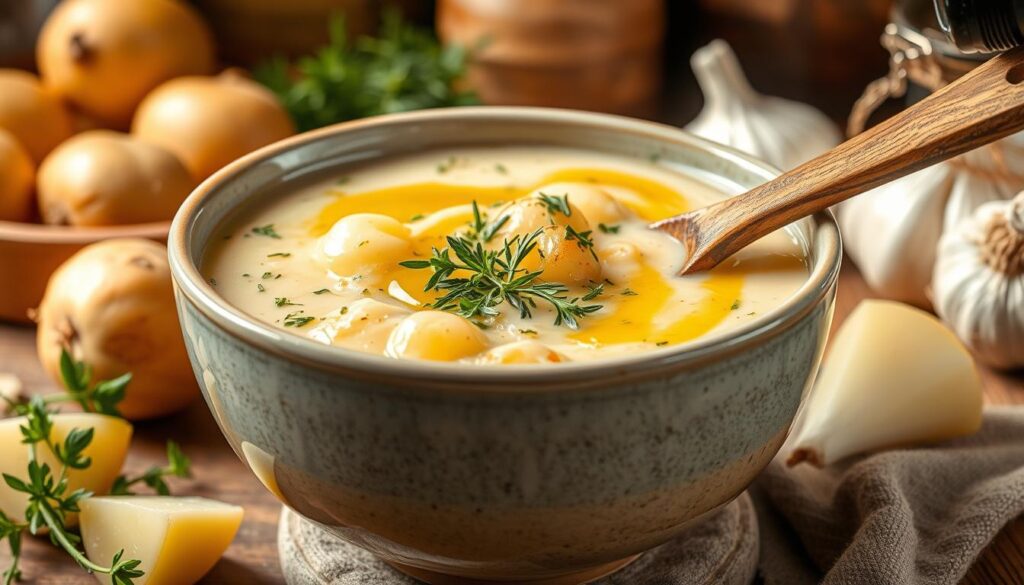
[[523, 473], [30, 252]]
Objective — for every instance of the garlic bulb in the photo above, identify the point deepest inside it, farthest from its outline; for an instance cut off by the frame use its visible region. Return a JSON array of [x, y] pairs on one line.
[[892, 232], [894, 377], [782, 132], [979, 282]]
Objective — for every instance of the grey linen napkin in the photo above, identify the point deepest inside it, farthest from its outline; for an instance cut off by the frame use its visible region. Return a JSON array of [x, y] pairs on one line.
[[900, 517]]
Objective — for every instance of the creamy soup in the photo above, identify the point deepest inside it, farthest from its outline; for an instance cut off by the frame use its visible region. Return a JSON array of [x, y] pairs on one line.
[[493, 256]]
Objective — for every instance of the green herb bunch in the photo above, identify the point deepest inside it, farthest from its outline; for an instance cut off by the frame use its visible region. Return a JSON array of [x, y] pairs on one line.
[[402, 69], [48, 490]]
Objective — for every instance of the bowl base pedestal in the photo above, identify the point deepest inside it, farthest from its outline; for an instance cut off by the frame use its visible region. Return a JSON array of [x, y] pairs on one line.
[[721, 549]]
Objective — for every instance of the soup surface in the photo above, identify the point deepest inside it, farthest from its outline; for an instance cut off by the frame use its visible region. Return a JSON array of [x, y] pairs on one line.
[[493, 256]]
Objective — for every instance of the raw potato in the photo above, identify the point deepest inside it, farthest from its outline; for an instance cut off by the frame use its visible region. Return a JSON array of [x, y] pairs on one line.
[[178, 540], [210, 121], [104, 56], [895, 376], [109, 178], [33, 114], [112, 305], [17, 180], [108, 449]]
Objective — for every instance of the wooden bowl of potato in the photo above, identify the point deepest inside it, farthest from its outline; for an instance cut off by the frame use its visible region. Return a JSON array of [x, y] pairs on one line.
[[30, 252]]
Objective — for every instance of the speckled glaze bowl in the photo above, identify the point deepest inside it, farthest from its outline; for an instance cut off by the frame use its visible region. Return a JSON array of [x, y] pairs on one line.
[[529, 474]]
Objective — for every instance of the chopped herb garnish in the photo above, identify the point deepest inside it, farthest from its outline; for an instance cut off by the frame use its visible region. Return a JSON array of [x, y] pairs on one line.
[[344, 310], [661, 343], [268, 275], [556, 204], [501, 168], [342, 181], [608, 229], [366, 291], [279, 255], [260, 287], [285, 302], [654, 157], [582, 238], [417, 217], [245, 275], [481, 230], [447, 165], [267, 230], [594, 292], [528, 331], [213, 281], [629, 293], [297, 319], [322, 291], [363, 243], [496, 277], [735, 305]]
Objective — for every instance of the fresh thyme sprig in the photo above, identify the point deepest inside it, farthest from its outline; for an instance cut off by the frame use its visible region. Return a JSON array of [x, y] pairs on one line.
[[101, 397], [50, 499], [496, 276], [178, 465]]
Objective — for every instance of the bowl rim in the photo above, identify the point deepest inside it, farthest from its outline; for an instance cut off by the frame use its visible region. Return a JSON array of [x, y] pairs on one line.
[[190, 283]]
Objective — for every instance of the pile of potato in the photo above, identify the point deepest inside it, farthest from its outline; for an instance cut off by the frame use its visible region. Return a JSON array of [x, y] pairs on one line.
[[125, 117]]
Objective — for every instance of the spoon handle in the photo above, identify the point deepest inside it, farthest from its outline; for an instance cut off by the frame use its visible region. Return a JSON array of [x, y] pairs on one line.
[[981, 107]]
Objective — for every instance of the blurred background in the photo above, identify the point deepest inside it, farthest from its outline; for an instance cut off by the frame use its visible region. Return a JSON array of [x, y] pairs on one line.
[[822, 52]]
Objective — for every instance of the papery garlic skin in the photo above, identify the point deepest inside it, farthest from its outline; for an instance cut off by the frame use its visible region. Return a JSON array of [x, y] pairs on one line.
[[782, 132], [892, 233], [981, 299], [894, 377]]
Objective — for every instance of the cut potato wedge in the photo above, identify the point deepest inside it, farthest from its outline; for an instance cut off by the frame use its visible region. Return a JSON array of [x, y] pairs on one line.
[[108, 449], [178, 540]]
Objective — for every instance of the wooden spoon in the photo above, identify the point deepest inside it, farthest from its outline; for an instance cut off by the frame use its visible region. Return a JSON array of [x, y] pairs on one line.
[[983, 106]]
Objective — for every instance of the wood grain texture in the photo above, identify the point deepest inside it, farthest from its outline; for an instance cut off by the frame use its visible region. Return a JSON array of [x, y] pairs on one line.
[[252, 558], [980, 108]]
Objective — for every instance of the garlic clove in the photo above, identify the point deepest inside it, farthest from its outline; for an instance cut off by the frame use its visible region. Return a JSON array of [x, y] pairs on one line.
[[894, 376], [783, 132]]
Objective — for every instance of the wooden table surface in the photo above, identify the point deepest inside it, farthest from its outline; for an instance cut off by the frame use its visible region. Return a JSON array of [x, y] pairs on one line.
[[252, 558]]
